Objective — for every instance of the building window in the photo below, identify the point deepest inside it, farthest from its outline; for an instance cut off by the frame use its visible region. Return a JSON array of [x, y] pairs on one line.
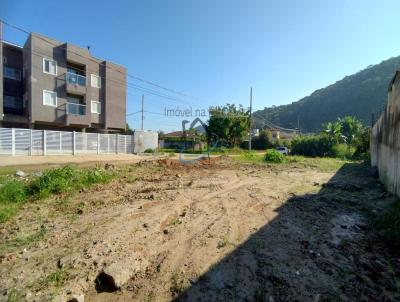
[[12, 102], [95, 81], [49, 98], [49, 66], [96, 107], [12, 73]]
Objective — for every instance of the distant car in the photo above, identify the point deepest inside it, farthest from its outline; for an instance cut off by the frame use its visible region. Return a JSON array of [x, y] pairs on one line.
[[283, 150]]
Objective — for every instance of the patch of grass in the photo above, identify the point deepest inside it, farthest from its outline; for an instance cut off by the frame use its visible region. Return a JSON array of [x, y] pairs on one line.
[[224, 242], [55, 279], [13, 191], [250, 157], [13, 194], [132, 169], [94, 176], [131, 179], [26, 242], [8, 211], [67, 178], [54, 181], [179, 283], [14, 295], [226, 151], [176, 221], [323, 164]]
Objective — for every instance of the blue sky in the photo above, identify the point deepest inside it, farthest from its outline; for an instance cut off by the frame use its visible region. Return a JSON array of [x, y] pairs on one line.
[[215, 50]]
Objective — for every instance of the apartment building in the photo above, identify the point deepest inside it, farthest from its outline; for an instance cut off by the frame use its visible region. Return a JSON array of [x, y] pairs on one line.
[[47, 84]]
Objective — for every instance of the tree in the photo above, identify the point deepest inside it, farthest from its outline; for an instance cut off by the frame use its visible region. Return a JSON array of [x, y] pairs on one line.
[[229, 124], [265, 139], [333, 131], [128, 130], [351, 128]]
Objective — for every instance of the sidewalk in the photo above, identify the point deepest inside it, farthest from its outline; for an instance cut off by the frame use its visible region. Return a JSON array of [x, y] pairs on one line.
[[6, 160]]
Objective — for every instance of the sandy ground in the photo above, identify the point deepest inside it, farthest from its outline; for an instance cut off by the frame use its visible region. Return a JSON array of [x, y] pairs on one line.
[[212, 231], [6, 160]]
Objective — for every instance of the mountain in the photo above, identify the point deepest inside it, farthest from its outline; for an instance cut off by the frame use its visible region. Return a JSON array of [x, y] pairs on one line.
[[360, 95]]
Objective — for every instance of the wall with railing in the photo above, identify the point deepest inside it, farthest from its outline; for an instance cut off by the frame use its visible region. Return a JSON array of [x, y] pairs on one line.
[[15, 141]]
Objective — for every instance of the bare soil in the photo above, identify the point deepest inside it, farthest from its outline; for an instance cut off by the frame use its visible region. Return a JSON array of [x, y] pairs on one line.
[[216, 230]]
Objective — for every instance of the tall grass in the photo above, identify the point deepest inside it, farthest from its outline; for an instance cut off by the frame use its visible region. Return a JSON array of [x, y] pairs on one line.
[[13, 191]]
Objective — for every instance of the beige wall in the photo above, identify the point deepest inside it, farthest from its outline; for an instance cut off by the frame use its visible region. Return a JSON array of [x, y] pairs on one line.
[[385, 141]]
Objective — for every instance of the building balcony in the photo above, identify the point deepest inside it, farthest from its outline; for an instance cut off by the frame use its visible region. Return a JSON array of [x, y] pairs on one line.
[[76, 109], [75, 83], [75, 114]]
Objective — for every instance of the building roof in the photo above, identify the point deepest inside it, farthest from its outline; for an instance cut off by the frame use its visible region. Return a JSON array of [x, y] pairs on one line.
[[11, 44], [178, 134]]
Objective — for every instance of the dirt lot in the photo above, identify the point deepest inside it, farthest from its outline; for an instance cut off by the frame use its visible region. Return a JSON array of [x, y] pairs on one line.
[[217, 230]]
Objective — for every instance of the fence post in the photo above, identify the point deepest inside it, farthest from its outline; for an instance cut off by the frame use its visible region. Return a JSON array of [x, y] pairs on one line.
[[86, 144], [60, 138], [117, 143], [125, 143], [13, 141], [98, 143], [44, 143], [108, 143], [30, 141], [73, 143]]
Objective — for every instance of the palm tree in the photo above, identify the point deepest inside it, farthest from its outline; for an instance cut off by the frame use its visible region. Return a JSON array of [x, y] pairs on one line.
[[333, 130]]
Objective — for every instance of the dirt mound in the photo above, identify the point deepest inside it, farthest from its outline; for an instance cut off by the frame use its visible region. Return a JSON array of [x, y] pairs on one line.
[[189, 162]]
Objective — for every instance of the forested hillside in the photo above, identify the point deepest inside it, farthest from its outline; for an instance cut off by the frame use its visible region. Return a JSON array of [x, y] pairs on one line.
[[359, 95]]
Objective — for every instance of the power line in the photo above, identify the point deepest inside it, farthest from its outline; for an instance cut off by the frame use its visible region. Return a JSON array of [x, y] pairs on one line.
[[106, 66], [127, 84]]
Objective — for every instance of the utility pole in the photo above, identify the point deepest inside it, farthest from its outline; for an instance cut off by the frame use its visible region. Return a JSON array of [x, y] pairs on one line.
[[251, 108], [142, 109], [298, 124]]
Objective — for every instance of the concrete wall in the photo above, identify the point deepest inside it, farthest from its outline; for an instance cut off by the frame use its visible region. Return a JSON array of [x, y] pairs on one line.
[[143, 140], [385, 140], [115, 94]]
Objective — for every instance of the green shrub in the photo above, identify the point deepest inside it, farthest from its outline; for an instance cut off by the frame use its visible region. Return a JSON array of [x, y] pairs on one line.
[[342, 151], [273, 156], [13, 191], [312, 145], [66, 179], [149, 150], [54, 181], [95, 175]]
